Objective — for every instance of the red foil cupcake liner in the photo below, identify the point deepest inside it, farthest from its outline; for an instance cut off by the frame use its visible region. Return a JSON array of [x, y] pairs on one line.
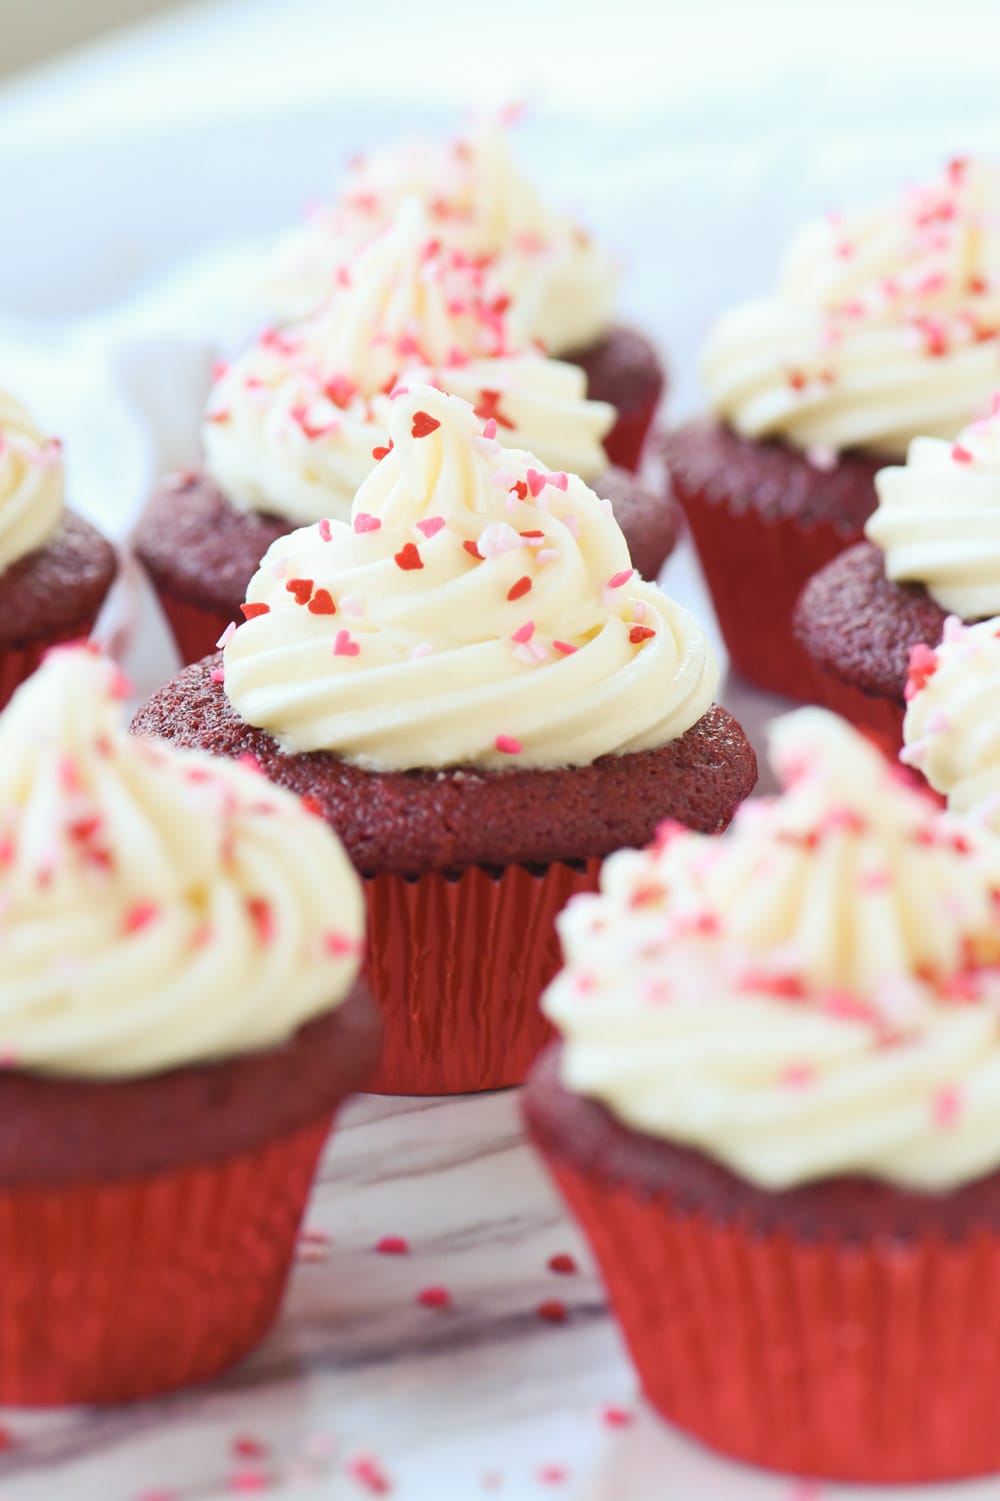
[[196, 631], [457, 966], [626, 440], [120, 1289], [755, 570], [17, 663], [863, 1362]]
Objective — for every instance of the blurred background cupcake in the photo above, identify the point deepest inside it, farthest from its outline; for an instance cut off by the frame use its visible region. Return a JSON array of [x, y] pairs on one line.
[[885, 326], [180, 1019], [774, 1112], [483, 699], [55, 568]]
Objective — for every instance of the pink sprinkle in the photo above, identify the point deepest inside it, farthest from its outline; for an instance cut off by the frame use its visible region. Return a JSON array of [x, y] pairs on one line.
[[945, 1105], [536, 482], [353, 605], [618, 579], [572, 525], [365, 523], [875, 880], [423, 650], [324, 529], [547, 555], [960, 455], [262, 916], [140, 916], [524, 632], [341, 945], [249, 763], [559, 480], [345, 646], [553, 1474], [393, 1245], [490, 429], [434, 1297], [564, 647], [563, 1264], [245, 1446], [370, 1475], [227, 635], [431, 526], [157, 1495], [805, 1490], [508, 746], [797, 1076], [492, 1480], [218, 675], [617, 1417], [249, 1482]]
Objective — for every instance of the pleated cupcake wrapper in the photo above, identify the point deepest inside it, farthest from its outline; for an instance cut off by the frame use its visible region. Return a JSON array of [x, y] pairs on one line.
[[116, 1290], [17, 663], [195, 631], [880, 718], [877, 1363], [755, 570], [457, 967], [624, 443]]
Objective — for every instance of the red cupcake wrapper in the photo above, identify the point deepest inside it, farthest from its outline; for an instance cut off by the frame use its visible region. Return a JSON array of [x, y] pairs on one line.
[[117, 1290], [457, 967], [17, 663], [624, 443], [755, 570], [196, 631], [879, 718], [870, 1362]]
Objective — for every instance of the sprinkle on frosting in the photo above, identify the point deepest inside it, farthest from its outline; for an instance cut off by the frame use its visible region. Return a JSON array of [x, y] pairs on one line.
[[470, 646], [760, 997], [885, 325], [32, 484], [938, 518], [556, 283], [157, 907]]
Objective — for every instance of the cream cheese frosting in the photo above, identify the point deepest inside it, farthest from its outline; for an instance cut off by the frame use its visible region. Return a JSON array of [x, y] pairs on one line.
[[813, 993], [292, 422], [885, 324], [478, 608], [560, 282], [938, 518], [952, 725], [32, 484], [157, 907]]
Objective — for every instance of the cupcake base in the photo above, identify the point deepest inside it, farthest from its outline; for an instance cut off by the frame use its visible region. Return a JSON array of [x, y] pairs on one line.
[[147, 1226], [764, 520], [794, 1330], [625, 369]]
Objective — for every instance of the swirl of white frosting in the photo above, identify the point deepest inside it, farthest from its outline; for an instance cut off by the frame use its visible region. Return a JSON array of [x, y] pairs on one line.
[[32, 484], [292, 422], [938, 519], [885, 324], [477, 609], [952, 725], [815, 992], [157, 907], [561, 283]]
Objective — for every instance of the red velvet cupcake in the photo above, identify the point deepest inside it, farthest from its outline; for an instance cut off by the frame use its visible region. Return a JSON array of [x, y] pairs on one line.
[[560, 283], [885, 325], [934, 550], [55, 569], [475, 689], [294, 423], [773, 1112], [181, 1019]]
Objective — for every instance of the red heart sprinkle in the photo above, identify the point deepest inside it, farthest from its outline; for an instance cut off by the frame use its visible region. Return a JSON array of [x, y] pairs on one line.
[[302, 589], [423, 425], [322, 603], [640, 633], [520, 589], [520, 490], [250, 610], [380, 453], [408, 557], [473, 549]]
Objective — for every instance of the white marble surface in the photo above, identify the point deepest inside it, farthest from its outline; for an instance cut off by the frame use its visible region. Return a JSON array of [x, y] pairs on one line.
[[677, 140]]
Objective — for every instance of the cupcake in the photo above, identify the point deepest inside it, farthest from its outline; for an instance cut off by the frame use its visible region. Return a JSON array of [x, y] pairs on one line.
[[294, 424], [885, 326], [952, 725], [774, 1112], [181, 1017], [933, 550], [55, 569], [561, 283], [474, 688]]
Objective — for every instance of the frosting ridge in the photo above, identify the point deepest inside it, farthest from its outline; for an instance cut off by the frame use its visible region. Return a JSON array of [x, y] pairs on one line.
[[32, 484]]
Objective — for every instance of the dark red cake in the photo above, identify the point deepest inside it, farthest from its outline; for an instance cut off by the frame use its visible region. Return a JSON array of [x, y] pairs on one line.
[[52, 595], [467, 869], [764, 519], [625, 369], [858, 629], [201, 552]]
